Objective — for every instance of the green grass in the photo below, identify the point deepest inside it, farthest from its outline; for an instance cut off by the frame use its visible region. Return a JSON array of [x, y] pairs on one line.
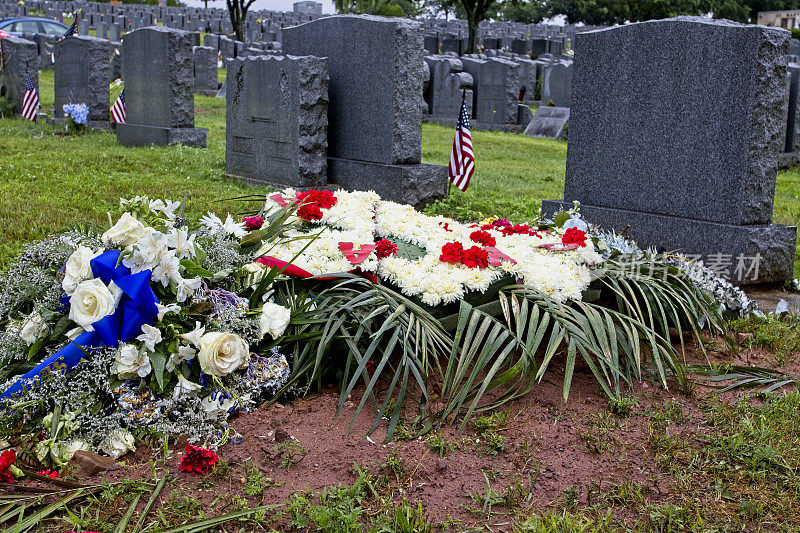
[[51, 182]]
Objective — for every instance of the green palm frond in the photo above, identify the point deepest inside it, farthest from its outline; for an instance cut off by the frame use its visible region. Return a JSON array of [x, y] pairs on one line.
[[744, 377]]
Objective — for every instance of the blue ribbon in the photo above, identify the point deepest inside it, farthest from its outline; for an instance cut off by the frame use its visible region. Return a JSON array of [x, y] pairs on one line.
[[136, 308]]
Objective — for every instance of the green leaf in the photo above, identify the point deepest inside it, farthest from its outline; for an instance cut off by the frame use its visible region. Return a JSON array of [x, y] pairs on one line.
[[195, 270], [158, 360], [254, 238], [409, 251], [560, 218]]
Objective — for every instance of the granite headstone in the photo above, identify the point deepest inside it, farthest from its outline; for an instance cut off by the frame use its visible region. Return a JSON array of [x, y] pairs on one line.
[[675, 131]]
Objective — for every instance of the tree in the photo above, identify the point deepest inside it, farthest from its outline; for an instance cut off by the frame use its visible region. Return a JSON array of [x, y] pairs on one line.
[[386, 8], [528, 12], [237, 11]]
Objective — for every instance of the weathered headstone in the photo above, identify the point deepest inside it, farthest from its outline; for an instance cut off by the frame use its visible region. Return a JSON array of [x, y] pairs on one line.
[[82, 75], [548, 122], [159, 89], [206, 79], [19, 59], [374, 116], [277, 120], [675, 130]]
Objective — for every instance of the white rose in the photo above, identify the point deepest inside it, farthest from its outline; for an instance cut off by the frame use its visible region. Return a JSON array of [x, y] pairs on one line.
[[125, 232], [274, 319], [90, 302], [33, 328], [78, 268], [222, 353], [253, 273], [131, 363], [117, 443]]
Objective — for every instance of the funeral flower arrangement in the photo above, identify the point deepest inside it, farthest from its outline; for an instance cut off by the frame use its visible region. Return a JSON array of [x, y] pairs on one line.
[[156, 324], [127, 331]]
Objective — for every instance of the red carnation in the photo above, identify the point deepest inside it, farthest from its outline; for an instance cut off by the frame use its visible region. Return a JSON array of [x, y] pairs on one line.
[[253, 223], [517, 229], [310, 212], [198, 460], [53, 474], [323, 199], [7, 458], [452, 252], [484, 238], [574, 236], [476, 258], [385, 248]]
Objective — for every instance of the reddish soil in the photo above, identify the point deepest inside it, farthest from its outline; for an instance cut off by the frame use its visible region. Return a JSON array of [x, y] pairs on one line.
[[550, 444]]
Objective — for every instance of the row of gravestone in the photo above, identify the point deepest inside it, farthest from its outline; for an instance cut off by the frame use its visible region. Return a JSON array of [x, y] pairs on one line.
[[499, 88], [675, 131]]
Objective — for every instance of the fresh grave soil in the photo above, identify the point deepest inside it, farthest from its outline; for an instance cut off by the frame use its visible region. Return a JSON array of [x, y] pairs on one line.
[[553, 452], [768, 296]]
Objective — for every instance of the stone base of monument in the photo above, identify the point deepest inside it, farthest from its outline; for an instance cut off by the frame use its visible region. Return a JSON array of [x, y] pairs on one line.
[[417, 185], [788, 160], [732, 249], [91, 125], [139, 135]]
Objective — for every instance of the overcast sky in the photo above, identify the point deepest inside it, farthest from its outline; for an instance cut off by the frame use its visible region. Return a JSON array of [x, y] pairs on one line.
[[274, 5]]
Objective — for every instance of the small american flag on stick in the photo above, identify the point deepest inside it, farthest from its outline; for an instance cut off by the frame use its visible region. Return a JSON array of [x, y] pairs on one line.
[[30, 102], [462, 160], [73, 29], [118, 109]]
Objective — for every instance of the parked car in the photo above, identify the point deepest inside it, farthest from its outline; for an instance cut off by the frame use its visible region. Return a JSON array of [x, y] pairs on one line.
[[19, 25]]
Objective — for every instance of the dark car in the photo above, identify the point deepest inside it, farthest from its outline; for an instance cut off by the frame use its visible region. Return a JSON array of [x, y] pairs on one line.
[[19, 25]]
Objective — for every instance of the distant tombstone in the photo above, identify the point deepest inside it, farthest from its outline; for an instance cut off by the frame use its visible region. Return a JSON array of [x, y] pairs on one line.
[[447, 84], [431, 44], [538, 47], [223, 91], [277, 120], [374, 116], [19, 59], [116, 61], [159, 89], [102, 30], [557, 83], [675, 132], [791, 134], [457, 46], [115, 33], [495, 83], [211, 40], [82, 75], [520, 46], [549, 123], [206, 80], [227, 47]]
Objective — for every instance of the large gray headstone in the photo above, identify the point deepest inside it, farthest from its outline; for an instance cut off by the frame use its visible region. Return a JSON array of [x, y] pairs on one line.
[[158, 70], [82, 75], [375, 67], [277, 120], [19, 58], [675, 129], [374, 115]]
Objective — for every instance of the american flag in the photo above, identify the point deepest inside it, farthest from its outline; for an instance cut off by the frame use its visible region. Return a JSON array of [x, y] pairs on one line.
[[30, 102], [462, 160], [118, 109], [72, 29]]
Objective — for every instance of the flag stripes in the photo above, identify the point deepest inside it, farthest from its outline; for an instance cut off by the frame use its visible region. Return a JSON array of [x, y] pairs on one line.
[[118, 109], [462, 159], [30, 102]]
